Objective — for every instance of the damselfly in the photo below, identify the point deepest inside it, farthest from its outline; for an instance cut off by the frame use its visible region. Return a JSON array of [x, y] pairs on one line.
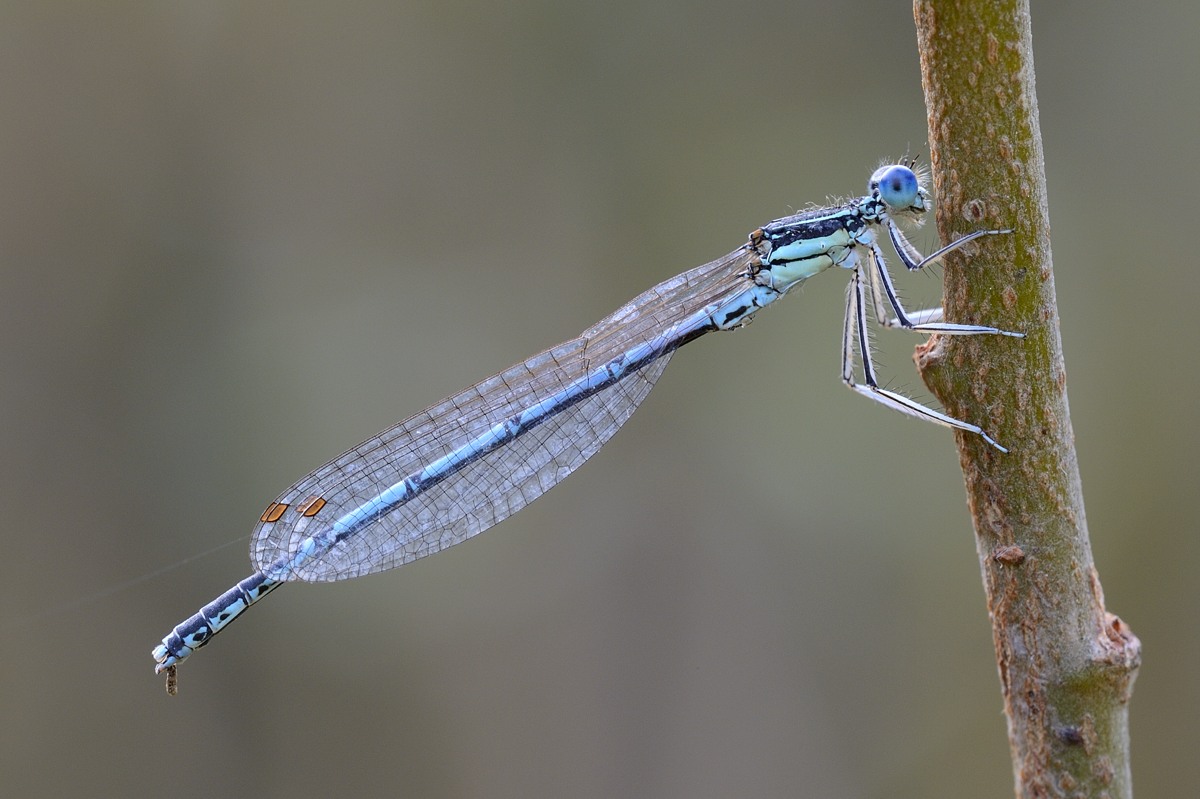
[[470, 461]]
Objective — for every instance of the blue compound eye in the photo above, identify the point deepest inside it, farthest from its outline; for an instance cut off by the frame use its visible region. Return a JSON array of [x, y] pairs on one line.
[[897, 186]]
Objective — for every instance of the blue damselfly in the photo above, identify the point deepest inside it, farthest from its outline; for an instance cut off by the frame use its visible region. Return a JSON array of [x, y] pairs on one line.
[[473, 459]]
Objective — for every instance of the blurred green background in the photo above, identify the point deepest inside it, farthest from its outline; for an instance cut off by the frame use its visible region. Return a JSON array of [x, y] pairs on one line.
[[238, 238]]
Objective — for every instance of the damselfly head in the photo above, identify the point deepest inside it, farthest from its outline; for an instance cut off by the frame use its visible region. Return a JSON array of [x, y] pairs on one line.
[[898, 187]]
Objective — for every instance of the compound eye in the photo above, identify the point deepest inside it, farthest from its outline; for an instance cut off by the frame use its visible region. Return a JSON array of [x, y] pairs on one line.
[[897, 186]]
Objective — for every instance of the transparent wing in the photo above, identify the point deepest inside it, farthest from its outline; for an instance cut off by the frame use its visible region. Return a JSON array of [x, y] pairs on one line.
[[502, 481]]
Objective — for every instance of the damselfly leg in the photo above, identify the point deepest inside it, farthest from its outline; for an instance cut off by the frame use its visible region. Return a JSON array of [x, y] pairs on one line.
[[883, 297]]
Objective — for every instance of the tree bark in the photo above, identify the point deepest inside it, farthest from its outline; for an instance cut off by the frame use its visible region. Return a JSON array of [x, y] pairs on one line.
[[1067, 666]]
